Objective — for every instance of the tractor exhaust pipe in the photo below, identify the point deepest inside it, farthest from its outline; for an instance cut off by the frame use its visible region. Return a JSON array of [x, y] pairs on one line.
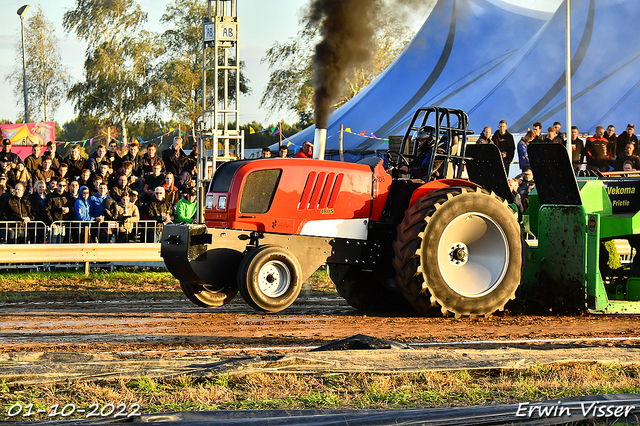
[[319, 142]]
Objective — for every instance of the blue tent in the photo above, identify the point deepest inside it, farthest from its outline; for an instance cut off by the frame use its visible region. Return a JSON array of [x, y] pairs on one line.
[[497, 61]]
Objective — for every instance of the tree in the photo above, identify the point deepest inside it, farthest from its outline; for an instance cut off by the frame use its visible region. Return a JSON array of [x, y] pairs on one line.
[[119, 76], [290, 84], [47, 78], [181, 65]]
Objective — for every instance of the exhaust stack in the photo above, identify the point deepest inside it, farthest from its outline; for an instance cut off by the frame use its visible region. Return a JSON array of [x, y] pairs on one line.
[[319, 142]]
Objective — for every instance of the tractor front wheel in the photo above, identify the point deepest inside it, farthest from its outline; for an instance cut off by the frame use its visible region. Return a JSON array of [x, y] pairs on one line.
[[206, 297], [459, 251], [270, 278]]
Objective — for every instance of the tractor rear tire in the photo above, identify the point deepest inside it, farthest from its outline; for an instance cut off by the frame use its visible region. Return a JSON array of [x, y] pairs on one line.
[[364, 291], [205, 297], [270, 278], [459, 251]]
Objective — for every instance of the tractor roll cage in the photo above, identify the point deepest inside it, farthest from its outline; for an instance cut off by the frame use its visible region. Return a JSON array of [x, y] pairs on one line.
[[446, 136]]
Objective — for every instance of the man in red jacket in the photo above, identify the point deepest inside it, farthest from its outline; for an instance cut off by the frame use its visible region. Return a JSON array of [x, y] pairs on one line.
[[306, 151], [597, 152]]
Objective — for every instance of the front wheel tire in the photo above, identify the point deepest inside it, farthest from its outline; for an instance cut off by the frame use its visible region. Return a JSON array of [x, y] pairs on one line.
[[205, 296], [270, 278]]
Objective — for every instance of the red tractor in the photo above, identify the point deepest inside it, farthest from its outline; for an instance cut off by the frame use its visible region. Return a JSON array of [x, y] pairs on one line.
[[442, 244]]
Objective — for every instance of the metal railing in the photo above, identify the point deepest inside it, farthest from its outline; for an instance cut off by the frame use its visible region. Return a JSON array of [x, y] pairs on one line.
[[83, 232]]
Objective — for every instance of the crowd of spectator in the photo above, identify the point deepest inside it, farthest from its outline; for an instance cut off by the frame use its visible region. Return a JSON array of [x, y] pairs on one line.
[[603, 152], [110, 185]]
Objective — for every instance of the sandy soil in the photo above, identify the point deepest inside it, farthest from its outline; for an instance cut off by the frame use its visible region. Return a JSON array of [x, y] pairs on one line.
[[311, 321]]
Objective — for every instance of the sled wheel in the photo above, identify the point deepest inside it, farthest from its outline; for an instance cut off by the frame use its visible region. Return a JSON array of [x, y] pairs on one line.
[[364, 291], [459, 251], [269, 278], [204, 296]]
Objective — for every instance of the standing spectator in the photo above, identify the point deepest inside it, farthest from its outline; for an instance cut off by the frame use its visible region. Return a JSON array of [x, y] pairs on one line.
[[596, 151], [187, 207], [187, 179], [125, 170], [626, 157], [82, 208], [135, 159], [552, 137], [45, 173], [283, 151], [96, 181], [96, 201], [504, 140], [577, 150], [7, 156], [21, 174], [150, 159], [74, 162], [56, 160], [514, 184], [627, 136], [74, 194], [57, 206], [174, 157], [306, 151], [18, 209], [523, 155], [152, 181], [37, 199], [63, 170], [610, 135], [95, 158], [120, 189], [559, 134], [114, 159], [128, 215], [525, 187], [485, 136], [105, 171], [537, 130], [158, 209], [266, 152], [33, 161], [85, 178], [171, 193]]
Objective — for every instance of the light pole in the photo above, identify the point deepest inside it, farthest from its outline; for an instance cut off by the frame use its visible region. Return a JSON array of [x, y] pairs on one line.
[[21, 12]]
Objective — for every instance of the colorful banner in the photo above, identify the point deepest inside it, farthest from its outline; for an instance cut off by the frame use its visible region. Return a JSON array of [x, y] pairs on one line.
[[29, 133]]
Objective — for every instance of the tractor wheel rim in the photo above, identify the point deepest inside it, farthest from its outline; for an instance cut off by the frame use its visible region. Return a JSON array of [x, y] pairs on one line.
[[274, 278], [473, 254]]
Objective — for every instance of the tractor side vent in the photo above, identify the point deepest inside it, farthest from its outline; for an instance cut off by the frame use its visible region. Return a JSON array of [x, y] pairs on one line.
[[320, 191]]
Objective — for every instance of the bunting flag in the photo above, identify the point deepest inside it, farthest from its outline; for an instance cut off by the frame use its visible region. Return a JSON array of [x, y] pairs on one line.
[[362, 133], [181, 134], [84, 142], [90, 141], [171, 129], [66, 144], [273, 129], [263, 130], [373, 136], [141, 141], [251, 131], [348, 130], [276, 132]]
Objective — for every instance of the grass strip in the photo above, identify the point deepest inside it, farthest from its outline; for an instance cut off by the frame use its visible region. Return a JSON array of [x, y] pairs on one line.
[[345, 391], [103, 285]]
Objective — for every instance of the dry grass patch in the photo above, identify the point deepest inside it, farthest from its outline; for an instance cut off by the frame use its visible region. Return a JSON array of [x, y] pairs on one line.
[[265, 391]]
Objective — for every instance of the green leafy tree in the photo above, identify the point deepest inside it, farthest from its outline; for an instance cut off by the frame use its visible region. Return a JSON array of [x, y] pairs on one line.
[[119, 75], [181, 63], [47, 77], [290, 84]]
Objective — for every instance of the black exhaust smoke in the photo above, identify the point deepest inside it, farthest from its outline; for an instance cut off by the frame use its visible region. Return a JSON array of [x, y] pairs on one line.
[[347, 30]]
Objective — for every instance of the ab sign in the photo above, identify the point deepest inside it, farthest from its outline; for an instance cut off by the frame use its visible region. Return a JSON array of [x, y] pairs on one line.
[[227, 31]]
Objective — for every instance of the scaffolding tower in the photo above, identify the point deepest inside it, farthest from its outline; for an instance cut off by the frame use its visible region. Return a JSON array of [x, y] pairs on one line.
[[220, 138]]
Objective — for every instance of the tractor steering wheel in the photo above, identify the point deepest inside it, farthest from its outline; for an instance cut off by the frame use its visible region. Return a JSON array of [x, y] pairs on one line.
[[394, 166]]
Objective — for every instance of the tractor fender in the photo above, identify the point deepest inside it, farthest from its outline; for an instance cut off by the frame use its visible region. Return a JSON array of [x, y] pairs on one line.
[[438, 184]]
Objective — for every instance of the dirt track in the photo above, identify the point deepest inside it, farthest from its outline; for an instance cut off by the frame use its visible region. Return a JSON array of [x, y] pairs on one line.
[[311, 321]]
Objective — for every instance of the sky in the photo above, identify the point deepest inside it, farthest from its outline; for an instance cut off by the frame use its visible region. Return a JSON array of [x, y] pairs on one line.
[[261, 23]]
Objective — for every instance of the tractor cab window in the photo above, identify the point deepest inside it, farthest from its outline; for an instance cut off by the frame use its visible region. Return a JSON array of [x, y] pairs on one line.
[[258, 191]]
